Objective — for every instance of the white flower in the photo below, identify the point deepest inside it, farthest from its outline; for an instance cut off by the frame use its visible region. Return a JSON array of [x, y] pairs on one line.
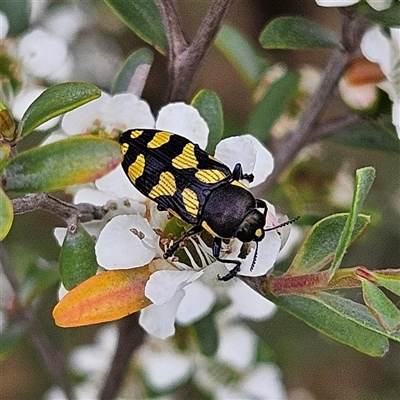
[[378, 5], [385, 51], [4, 25], [42, 53]]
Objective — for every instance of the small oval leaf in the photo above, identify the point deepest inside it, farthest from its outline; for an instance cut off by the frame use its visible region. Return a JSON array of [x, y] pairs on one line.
[[77, 258], [6, 215], [56, 100], [133, 74], [384, 310], [72, 161], [319, 245], [297, 33], [209, 106], [105, 297], [144, 18]]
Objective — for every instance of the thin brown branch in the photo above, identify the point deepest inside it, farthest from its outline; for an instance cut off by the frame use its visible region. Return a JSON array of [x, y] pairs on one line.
[[287, 150], [53, 359], [130, 338], [183, 58], [69, 212]]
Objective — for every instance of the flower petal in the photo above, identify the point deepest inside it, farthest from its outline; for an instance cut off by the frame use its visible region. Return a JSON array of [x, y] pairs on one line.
[[4, 25], [242, 295], [198, 301], [184, 120], [336, 3], [159, 321], [162, 285], [237, 356], [117, 247]]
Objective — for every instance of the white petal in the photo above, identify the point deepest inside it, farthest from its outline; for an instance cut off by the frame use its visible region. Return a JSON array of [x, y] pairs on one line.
[[117, 247], [376, 47], [336, 3], [198, 301], [42, 53], [165, 369], [93, 196], [107, 338], [59, 234], [264, 382], [126, 111], [294, 238], [237, 347], [90, 359], [184, 120], [162, 285], [250, 153], [83, 118], [247, 303], [268, 250], [118, 183], [4, 25], [62, 291], [24, 99], [396, 116], [359, 97], [159, 321], [379, 5]]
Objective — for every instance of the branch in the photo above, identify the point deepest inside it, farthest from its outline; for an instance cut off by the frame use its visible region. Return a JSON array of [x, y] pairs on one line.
[[183, 58], [304, 134], [69, 212], [53, 359], [130, 338]]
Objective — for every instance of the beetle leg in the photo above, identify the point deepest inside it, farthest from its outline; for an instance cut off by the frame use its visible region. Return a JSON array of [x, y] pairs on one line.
[[216, 249], [238, 173], [194, 230]]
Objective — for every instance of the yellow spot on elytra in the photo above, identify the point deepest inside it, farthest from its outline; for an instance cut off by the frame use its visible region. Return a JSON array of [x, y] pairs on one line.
[[166, 186], [136, 133], [190, 201], [208, 229], [124, 148], [240, 184], [159, 139], [210, 175], [186, 159], [136, 169]]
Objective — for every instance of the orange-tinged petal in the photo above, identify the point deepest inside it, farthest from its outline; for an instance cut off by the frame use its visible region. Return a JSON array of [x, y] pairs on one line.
[[105, 297]]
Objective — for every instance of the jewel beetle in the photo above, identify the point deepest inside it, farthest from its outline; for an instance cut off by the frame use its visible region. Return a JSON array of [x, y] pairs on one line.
[[195, 187]]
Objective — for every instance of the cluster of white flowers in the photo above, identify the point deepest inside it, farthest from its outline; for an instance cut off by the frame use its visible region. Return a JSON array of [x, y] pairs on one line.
[[178, 292]]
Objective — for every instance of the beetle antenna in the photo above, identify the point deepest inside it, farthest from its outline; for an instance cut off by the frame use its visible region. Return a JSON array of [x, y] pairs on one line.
[[254, 258], [290, 221]]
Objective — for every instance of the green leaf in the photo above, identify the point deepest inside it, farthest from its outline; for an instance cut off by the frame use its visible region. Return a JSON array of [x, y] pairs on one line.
[[271, 106], [209, 106], [144, 18], [389, 18], [241, 54], [368, 135], [18, 14], [389, 282], [10, 72], [6, 215], [4, 155], [356, 312], [77, 258], [56, 100], [76, 160], [334, 323], [384, 310], [133, 74], [297, 33], [364, 179], [319, 245], [206, 333]]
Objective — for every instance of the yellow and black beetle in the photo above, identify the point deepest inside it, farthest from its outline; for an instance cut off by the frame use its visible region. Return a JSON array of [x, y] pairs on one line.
[[195, 187]]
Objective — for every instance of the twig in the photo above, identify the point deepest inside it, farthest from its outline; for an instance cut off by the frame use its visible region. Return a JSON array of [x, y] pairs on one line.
[[69, 212], [53, 359], [183, 58], [287, 150], [130, 338]]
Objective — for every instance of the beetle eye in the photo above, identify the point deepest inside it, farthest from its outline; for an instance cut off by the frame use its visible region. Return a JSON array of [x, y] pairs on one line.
[[251, 227]]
